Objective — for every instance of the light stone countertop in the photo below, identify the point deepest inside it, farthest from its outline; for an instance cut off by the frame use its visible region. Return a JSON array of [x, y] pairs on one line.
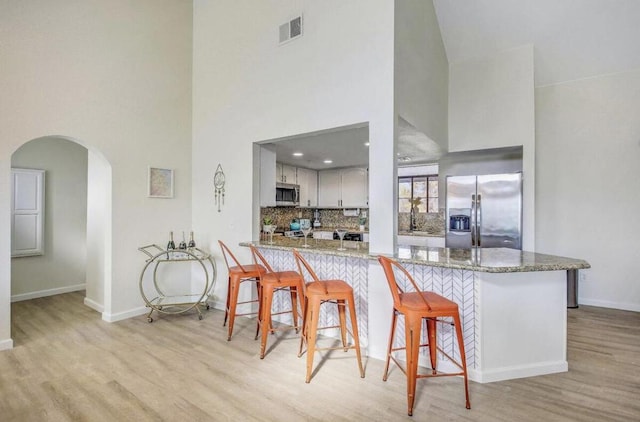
[[418, 233], [491, 260]]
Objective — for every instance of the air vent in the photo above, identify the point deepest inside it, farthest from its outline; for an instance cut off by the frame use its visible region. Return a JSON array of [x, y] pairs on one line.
[[291, 30]]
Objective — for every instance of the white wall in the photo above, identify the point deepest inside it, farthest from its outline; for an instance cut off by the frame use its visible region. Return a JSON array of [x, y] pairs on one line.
[[248, 89], [99, 231], [587, 189], [421, 69], [62, 267], [492, 105], [115, 75]]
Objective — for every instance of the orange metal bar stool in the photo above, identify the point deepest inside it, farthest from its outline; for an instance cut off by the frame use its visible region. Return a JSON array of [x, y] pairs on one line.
[[417, 306], [271, 282], [238, 274], [316, 293]]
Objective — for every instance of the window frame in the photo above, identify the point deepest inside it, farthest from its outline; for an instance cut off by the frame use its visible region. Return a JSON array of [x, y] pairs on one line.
[[411, 179]]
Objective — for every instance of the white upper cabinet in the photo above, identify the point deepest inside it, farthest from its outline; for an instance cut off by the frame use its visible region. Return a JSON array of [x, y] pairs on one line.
[[329, 188], [285, 174], [355, 189], [343, 188], [308, 181]]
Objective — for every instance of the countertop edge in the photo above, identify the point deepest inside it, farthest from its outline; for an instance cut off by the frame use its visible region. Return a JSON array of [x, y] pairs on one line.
[[574, 264]]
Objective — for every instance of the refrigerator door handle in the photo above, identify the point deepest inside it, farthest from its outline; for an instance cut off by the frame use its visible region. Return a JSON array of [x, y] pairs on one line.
[[479, 220], [473, 221]]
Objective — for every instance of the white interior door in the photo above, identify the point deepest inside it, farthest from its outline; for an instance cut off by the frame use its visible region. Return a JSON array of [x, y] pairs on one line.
[[27, 212]]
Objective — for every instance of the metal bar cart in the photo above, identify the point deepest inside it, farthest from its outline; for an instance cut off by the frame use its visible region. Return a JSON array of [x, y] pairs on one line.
[[155, 294]]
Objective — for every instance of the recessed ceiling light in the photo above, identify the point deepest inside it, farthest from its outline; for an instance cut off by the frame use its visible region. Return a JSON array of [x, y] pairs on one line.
[[404, 159], [298, 154], [366, 144], [328, 161]]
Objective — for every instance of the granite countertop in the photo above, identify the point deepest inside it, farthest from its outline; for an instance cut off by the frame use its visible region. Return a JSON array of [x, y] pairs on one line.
[[421, 233], [492, 260], [327, 247]]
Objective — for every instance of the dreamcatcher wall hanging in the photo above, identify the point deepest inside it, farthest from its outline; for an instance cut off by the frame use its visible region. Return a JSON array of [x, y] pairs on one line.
[[218, 183]]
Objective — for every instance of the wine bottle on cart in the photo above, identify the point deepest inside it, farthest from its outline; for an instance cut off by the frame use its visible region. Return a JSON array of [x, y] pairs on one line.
[[183, 244], [171, 245]]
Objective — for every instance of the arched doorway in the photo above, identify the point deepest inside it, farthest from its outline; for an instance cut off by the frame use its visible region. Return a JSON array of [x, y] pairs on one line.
[[95, 256]]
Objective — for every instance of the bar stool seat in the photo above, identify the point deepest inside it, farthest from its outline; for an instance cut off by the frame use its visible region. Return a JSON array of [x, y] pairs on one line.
[[271, 282], [317, 293], [418, 306], [238, 274]]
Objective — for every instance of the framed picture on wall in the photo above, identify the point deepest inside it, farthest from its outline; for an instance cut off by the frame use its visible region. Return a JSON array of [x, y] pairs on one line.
[[160, 183]]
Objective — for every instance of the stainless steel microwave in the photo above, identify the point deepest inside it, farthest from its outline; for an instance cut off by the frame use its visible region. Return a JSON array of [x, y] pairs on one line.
[[287, 194]]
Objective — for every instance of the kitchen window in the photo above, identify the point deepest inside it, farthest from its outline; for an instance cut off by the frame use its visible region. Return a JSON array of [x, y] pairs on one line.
[[421, 191]]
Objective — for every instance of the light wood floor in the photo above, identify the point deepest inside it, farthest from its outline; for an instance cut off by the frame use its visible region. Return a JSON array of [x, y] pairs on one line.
[[69, 365]]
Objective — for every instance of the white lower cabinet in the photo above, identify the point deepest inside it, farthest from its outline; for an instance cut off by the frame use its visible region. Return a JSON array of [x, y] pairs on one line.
[[323, 235]]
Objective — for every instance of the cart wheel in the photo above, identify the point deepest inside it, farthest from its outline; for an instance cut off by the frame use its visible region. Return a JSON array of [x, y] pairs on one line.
[[200, 317], [149, 320]]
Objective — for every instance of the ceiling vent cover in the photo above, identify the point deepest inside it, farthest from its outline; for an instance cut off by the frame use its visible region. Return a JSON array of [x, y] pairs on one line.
[[291, 30]]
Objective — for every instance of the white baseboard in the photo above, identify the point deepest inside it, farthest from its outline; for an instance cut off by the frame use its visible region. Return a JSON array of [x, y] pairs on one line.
[[93, 305], [6, 344], [145, 310], [608, 304], [49, 292], [124, 315], [513, 372]]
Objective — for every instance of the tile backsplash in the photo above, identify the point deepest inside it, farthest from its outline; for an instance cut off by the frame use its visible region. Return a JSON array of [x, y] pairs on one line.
[[329, 218], [334, 218], [425, 222]]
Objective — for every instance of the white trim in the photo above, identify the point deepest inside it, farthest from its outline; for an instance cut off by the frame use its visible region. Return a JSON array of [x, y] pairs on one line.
[[93, 305], [520, 371], [48, 292], [219, 305], [124, 315], [608, 304], [6, 344]]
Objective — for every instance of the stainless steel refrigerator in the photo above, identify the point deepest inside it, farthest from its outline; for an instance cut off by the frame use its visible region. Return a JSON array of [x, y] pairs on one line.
[[484, 211]]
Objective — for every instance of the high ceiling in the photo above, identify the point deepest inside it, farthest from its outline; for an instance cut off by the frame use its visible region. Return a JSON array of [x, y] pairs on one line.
[[344, 146], [572, 39]]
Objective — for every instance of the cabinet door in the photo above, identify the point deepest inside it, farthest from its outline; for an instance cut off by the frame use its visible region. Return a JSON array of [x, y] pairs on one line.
[[329, 188], [289, 174], [308, 181], [355, 189], [324, 235]]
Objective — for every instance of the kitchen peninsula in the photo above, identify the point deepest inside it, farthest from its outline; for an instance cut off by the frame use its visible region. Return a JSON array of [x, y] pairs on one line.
[[513, 304]]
